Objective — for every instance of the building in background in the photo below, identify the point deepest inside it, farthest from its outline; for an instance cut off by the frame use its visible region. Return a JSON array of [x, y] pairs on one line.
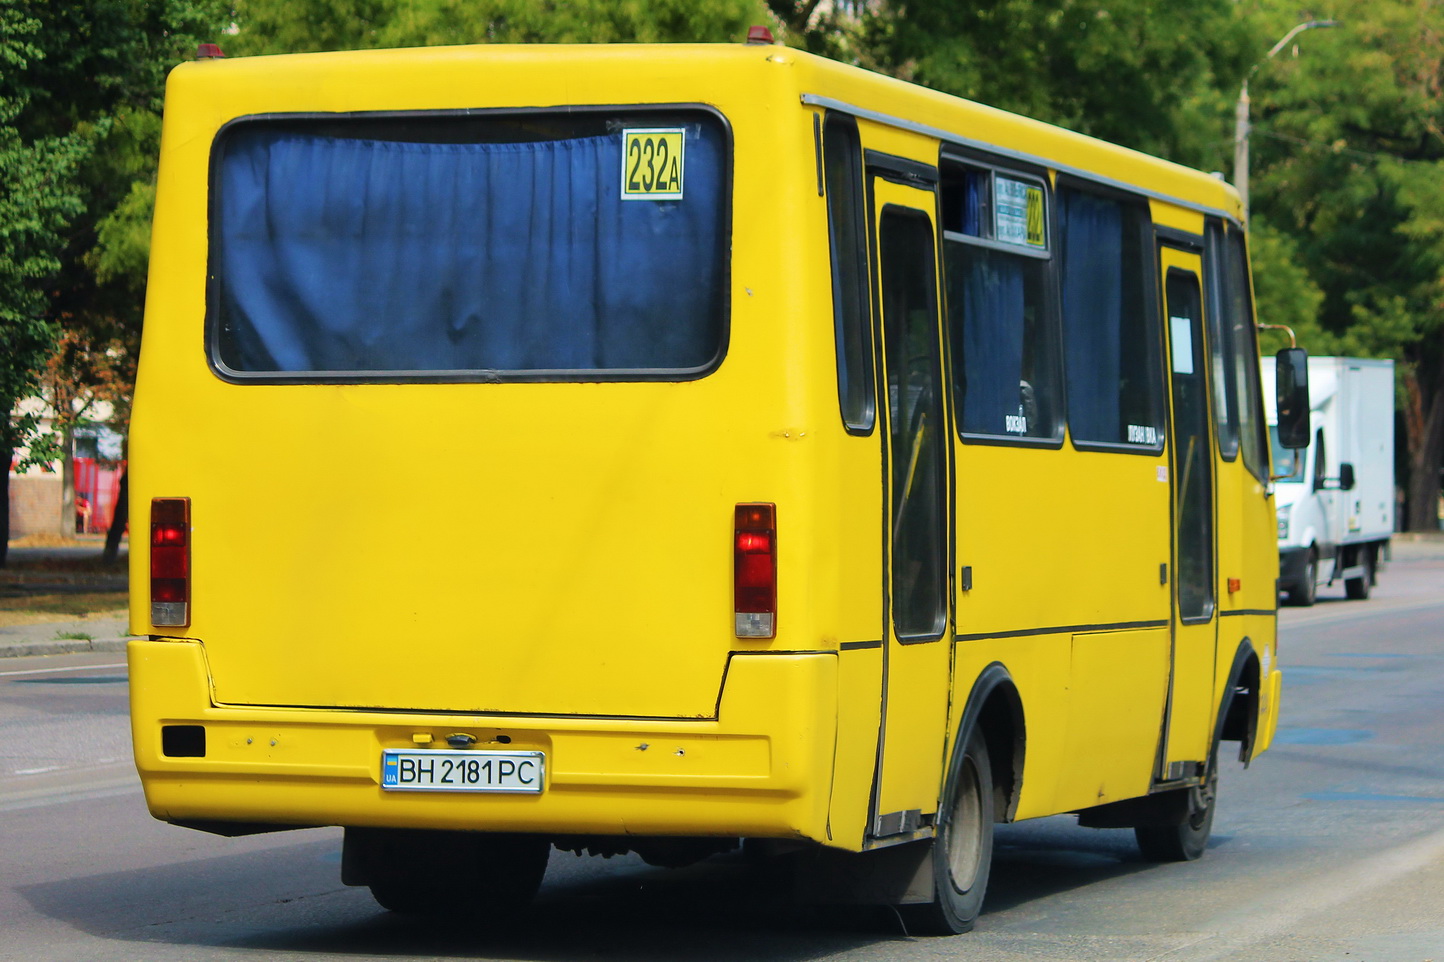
[[38, 495]]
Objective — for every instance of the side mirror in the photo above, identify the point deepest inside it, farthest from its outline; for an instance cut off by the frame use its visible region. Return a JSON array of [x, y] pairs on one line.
[[1346, 477], [1292, 376]]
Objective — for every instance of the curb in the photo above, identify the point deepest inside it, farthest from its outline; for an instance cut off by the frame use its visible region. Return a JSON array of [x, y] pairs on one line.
[[39, 578], [61, 646]]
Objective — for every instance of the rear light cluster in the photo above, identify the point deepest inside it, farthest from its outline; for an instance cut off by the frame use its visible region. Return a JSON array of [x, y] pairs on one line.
[[754, 570], [170, 562]]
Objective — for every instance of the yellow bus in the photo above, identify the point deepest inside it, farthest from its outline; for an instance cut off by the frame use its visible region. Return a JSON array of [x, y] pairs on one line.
[[647, 448]]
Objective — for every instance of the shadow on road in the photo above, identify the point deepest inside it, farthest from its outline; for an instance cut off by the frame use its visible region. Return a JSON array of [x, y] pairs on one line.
[[288, 899], [724, 909]]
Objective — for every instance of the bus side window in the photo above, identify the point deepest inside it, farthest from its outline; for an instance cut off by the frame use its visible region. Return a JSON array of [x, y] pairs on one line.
[[1221, 313], [1238, 303], [1110, 330], [1002, 330], [847, 230]]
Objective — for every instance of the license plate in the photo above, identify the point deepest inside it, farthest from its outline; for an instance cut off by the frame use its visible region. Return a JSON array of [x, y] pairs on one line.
[[431, 770]]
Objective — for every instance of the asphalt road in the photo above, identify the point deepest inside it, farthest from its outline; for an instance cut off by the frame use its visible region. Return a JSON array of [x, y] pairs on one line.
[[1331, 847]]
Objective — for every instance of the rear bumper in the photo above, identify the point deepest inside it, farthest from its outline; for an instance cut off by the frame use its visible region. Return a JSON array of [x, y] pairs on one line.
[[762, 768], [1273, 690]]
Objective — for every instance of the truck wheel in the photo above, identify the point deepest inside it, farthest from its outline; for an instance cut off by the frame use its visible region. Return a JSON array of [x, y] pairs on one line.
[[1304, 593], [1358, 588], [963, 848]]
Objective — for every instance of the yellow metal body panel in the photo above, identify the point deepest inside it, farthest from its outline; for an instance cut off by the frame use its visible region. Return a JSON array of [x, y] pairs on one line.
[[1115, 702], [1269, 716], [859, 681], [1084, 551], [342, 603]]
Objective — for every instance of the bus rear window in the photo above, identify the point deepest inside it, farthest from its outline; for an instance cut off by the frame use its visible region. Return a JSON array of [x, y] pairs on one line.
[[580, 246]]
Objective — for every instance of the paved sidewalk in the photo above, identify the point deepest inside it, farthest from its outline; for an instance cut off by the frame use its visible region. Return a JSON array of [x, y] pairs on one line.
[[63, 637], [52, 569]]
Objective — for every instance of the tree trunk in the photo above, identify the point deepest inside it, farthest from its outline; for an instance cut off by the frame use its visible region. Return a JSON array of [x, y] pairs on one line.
[[7, 451], [67, 483], [119, 518], [1424, 425]]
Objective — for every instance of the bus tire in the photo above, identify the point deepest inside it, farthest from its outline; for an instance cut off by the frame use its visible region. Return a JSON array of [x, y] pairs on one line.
[[963, 846], [1187, 839], [486, 875], [1358, 588], [1304, 593]]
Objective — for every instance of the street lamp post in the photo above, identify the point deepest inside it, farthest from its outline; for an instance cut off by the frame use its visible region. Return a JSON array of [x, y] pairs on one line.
[[1240, 114]]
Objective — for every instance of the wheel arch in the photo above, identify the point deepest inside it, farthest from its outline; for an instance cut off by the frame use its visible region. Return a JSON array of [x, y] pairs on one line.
[[996, 709], [1238, 714]]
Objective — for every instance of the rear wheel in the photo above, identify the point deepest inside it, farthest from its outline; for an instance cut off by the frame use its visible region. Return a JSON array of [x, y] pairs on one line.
[[963, 847], [1304, 593], [1186, 840], [1358, 588], [453, 873]]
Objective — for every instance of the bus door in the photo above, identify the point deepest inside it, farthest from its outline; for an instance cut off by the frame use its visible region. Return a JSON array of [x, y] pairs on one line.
[[1191, 699], [917, 655]]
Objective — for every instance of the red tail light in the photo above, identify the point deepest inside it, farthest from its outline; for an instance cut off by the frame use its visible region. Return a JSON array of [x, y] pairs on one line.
[[170, 562], [754, 570]]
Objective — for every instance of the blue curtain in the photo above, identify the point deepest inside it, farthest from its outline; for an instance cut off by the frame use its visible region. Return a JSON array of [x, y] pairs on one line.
[[974, 185], [1092, 231], [356, 255], [992, 342]]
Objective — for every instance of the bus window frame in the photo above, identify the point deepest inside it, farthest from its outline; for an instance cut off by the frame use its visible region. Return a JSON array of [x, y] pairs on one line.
[[950, 155], [863, 425], [1152, 296], [1225, 400], [211, 340], [1253, 387]]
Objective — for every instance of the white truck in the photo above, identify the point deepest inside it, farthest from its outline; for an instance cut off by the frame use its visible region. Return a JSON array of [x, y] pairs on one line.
[[1336, 498]]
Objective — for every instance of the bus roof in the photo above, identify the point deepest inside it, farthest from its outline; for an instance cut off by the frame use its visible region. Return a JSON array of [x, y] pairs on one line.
[[672, 69]]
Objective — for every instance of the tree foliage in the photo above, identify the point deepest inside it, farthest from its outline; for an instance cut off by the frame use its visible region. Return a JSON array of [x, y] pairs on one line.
[[36, 205], [1151, 74], [80, 96], [291, 26], [1348, 145]]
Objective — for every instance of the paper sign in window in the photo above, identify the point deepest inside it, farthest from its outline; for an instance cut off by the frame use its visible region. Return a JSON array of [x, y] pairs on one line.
[[653, 163], [1181, 333], [1018, 213]]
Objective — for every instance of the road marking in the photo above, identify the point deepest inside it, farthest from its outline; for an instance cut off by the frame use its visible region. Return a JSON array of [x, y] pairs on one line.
[[102, 782], [47, 671]]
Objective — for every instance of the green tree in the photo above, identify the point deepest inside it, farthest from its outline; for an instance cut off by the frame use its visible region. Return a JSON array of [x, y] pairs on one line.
[[1151, 74], [80, 97], [293, 26], [1284, 293], [35, 207], [1348, 146]]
